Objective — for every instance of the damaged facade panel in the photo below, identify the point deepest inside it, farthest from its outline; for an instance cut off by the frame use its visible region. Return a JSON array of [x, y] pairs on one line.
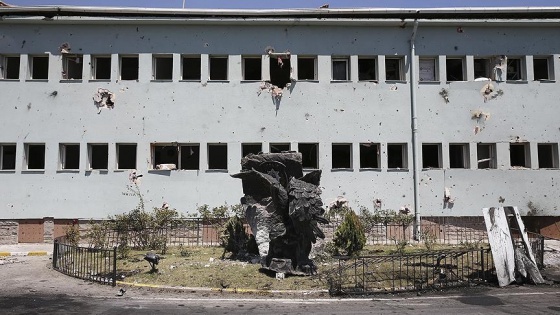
[[104, 98]]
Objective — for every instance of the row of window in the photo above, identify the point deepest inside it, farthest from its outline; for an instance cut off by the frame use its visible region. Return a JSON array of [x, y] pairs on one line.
[[180, 156], [499, 68]]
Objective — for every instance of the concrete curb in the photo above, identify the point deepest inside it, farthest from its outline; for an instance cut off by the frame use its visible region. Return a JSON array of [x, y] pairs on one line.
[[30, 253]]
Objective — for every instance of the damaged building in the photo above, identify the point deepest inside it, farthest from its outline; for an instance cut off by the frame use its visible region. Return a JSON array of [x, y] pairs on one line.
[[441, 112]]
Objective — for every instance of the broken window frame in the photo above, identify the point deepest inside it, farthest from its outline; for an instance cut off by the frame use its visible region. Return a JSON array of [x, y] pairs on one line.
[[162, 67], [310, 160], [68, 161], [194, 154], [490, 158], [482, 68], [437, 159], [164, 148], [515, 69], [365, 65], [548, 68], [72, 67], [403, 148], [365, 156], [213, 164], [122, 165], [552, 155], [338, 149], [8, 156], [126, 70], [95, 67], [304, 62], [462, 154], [191, 72], [422, 74], [392, 74], [514, 155], [454, 77], [93, 157], [257, 60], [214, 68], [345, 61], [251, 147], [32, 161], [275, 147], [39, 64], [10, 65]]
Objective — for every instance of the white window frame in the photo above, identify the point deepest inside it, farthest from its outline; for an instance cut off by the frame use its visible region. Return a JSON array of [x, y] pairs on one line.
[[346, 62], [90, 155], [94, 66]]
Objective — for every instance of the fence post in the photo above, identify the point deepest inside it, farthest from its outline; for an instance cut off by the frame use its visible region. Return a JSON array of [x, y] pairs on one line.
[[482, 264], [541, 253], [55, 254], [115, 266]]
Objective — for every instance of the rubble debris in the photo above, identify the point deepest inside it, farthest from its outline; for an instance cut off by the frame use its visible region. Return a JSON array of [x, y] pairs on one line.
[[167, 167], [65, 48], [377, 203], [486, 90], [444, 93], [104, 99], [274, 90], [447, 199]]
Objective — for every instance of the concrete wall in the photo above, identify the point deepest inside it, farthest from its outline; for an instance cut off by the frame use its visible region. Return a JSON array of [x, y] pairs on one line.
[[231, 112]]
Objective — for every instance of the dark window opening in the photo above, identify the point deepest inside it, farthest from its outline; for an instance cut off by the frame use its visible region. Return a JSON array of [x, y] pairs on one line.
[[129, 68], [306, 68], [458, 156], [431, 156], [481, 68], [70, 156], [126, 156], [514, 69], [72, 67], [519, 155], [190, 157], [191, 68], [454, 69], [540, 69], [369, 155], [99, 156], [252, 68], [247, 148], [341, 156], [366, 69], [11, 68], [428, 70], [163, 68], [8, 157], [102, 68], [340, 70], [35, 156], [548, 155], [39, 68], [280, 72], [396, 156], [309, 155], [219, 68], [217, 157], [486, 155], [393, 71], [279, 147], [165, 154]]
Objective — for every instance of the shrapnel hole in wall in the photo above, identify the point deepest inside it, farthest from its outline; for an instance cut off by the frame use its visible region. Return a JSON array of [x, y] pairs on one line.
[[280, 72]]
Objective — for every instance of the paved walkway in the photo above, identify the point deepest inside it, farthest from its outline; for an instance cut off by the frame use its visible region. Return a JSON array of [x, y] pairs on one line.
[[27, 249]]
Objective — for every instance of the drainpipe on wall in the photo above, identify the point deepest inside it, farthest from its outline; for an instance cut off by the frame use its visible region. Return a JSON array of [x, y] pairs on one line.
[[414, 126]]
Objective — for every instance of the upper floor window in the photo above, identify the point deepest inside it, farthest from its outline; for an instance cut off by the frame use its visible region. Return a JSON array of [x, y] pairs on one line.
[[341, 156], [247, 148], [367, 69], [218, 68], [547, 154], [162, 67], [9, 67], [165, 156], [101, 67], [129, 67], [72, 67], [397, 156], [542, 69], [431, 155], [514, 69], [307, 68], [279, 147], [369, 155], [34, 156], [189, 156], [98, 156], [309, 155], [217, 156], [482, 68], [39, 67], [252, 68], [454, 69], [280, 69], [7, 156], [459, 155], [519, 154], [69, 156], [191, 68], [486, 155], [126, 156], [340, 69], [394, 69], [428, 70]]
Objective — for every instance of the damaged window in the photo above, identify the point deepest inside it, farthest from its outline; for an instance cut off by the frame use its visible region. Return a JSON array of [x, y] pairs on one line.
[[162, 68], [541, 69], [514, 69], [481, 68], [217, 156], [393, 69], [547, 152], [428, 70], [253, 148], [397, 156], [101, 68], [69, 156], [39, 67], [10, 67], [191, 68], [190, 157], [7, 156], [369, 155], [519, 155], [431, 155], [307, 68], [367, 69], [126, 156], [309, 155], [340, 69], [98, 156], [279, 147], [454, 69], [486, 155], [341, 156], [459, 155], [165, 156], [129, 67], [72, 67], [252, 68], [218, 68], [35, 156], [280, 70]]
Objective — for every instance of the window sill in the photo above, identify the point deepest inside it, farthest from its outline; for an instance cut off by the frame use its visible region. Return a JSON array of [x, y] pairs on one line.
[[161, 80], [308, 80], [251, 81], [121, 170], [9, 80], [395, 81], [100, 171], [340, 81], [37, 80], [517, 81], [71, 81], [216, 171], [429, 82], [128, 80], [546, 81], [67, 171], [100, 80], [309, 169], [397, 170], [345, 169], [33, 171], [372, 81], [7, 171], [458, 81], [370, 169], [193, 81], [218, 81], [432, 169]]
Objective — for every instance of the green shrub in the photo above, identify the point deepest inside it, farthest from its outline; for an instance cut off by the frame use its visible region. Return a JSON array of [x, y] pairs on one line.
[[234, 238], [72, 234], [350, 236]]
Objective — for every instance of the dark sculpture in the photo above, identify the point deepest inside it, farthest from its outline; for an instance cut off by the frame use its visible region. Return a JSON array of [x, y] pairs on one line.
[[283, 208]]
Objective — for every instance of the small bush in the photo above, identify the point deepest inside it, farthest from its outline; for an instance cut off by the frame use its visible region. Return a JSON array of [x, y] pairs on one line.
[[72, 234], [400, 246], [350, 236], [234, 238]]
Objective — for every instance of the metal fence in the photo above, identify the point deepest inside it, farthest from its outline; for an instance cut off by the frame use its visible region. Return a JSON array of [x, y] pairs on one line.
[[94, 264], [394, 273]]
